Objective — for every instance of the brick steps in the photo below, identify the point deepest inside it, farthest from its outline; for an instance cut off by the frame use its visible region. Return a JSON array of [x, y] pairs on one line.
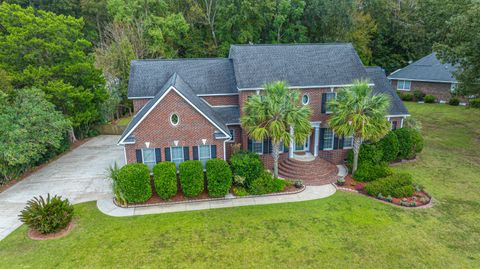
[[316, 172]]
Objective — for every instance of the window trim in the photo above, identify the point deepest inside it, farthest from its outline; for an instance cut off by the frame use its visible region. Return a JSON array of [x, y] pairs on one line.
[[154, 156], [333, 139], [308, 99], [178, 119], [345, 139], [171, 155], [403, 85], [253, 146], [326, 102]]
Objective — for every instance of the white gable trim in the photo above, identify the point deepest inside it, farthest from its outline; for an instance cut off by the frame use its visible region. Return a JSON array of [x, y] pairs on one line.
[[158, 101], [306, 87], [423, 80]]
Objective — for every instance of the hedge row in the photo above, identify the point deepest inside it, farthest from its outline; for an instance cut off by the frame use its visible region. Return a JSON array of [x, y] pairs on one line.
[[247, 165], [219, 177], [397, 185], [191, 178], [133, 181]]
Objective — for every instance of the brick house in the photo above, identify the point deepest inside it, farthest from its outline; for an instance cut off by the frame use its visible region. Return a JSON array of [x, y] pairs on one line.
[[428, 75], [190, 108]]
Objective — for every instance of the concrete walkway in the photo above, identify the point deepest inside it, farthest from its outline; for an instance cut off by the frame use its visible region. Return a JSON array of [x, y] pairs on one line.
[[310, 193], [78, 175]]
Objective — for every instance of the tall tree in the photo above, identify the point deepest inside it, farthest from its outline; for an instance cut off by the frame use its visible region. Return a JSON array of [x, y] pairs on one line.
[[271, 114], [358, 112]]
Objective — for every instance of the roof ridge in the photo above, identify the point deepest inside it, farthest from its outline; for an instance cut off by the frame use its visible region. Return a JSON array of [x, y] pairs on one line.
[[292, 44], [180, 59]]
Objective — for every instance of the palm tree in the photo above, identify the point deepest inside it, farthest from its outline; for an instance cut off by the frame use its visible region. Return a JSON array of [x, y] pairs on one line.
[[358, 112], [271, 114]]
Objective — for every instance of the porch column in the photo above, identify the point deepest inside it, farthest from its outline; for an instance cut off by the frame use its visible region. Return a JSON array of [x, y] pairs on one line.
[[292, 144], [316, 126]]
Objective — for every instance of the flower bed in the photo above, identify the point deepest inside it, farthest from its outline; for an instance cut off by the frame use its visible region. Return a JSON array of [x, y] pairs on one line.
[[419, 198]]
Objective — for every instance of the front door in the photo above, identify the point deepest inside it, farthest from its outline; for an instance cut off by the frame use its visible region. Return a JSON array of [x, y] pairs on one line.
[[303, 146]]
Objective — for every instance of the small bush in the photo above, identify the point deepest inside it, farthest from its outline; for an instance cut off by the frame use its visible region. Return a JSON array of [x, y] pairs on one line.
[[405, 96], [454, 101], [390, 147], [371, 153], [133, 182], [264, 184], [475, 103], [219, 177], [238, 180], [191, 178], [279, 185], [47, 215], [359, 187], [397, 185], [240, 191], [410, 141], [418, 142], [165, 179], [247, 165], [367, 172], [430, 99], [340, 181], [419, 95]]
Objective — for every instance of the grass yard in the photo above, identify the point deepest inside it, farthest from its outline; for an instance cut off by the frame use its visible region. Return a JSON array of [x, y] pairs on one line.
[[342, 231]]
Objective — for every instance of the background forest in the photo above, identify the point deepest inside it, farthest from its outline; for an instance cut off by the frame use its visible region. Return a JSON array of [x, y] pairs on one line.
[[73, 56]]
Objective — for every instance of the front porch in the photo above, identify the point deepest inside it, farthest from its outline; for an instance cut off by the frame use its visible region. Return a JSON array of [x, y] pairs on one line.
[[313, 171]]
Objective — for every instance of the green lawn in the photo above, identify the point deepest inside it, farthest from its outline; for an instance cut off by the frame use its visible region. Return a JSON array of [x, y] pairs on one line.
[[342, 231], [124, 121]]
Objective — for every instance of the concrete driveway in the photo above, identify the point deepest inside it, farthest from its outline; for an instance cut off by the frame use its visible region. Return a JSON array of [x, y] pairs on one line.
[[78, 175]]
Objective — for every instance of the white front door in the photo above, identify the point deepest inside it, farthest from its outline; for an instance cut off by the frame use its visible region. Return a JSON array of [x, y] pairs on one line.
[[305, 146]]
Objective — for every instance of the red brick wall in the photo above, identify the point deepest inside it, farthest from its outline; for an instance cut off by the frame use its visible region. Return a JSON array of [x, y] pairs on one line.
[[440, 90], [157, 129], [237, 139], [138, 104], [221, 100], [335, 156]]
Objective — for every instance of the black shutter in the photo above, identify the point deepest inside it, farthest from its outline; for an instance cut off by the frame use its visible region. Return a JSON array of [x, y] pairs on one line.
[[265, 146], [250, 146], [213, 149], [335, 142], [322, 133], [167, 154], [324, 102], [158, 155], [138, 153], [270, 147], [341, 142], [285, 148], [186, 155], [195, 152]]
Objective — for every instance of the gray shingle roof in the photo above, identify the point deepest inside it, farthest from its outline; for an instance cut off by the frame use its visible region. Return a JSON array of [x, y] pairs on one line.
[[206, 76], [178, 83], [382, 85], [297, 64], [428, 68], [229, 115]]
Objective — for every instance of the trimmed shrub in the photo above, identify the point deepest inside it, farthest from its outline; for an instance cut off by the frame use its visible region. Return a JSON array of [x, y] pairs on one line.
[[47, 215], [219, 177], [133, 182], [405, 96], [165, 179], [279, 185], [418, 141], [454, 101], [390, 147], [368, 153], [475, 103], [419, 95], [397, 185], [240, 191], [266, 184], [410, 142], [429, 99], [247, 165], [368, 171], [191, 178]]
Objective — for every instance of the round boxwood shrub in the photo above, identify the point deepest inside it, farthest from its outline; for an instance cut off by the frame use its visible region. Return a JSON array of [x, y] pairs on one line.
[[47, 215], [191, 178], [133, 182], [247, 165], [390, 147], [398, 185], [405, 96], [454, 101], [165, 178], [410, 142], [369, 153], [368, 171], [219, 177], [430, 99], [475, 103]]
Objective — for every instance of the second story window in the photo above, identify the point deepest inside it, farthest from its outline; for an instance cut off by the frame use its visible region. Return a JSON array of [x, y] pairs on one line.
[[404, 85], [305, 99], [326, 98]]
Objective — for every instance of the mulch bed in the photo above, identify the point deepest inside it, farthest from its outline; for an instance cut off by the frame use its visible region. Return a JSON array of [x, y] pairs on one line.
[[353, 185], [32, 170], [35, 235]]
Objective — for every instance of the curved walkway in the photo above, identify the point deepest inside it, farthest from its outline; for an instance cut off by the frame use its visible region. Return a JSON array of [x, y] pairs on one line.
[[107, 206]]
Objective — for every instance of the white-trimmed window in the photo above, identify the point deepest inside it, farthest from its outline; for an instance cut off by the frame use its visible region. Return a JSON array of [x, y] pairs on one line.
[[232, 134], [348, 142], [305, 99], [177, 155], [148, 157], [404, 85], [453, 87], [394, 125], [204, 154], [257, 146], [174, 119], [328, 138], [328, 97]]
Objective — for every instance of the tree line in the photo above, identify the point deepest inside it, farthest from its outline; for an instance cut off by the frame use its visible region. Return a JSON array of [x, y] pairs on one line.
[[75, 54]]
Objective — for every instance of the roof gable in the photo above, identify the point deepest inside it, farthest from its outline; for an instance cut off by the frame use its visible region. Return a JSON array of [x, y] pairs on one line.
[[382, 85], [428, 68], [297, 64]]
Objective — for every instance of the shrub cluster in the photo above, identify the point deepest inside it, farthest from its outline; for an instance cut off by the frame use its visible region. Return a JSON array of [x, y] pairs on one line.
[[454, 101], [133, 182], [429, 99], [370, 163], [475, 103], [368, 171], [47, 215], [410, 142], [390, 147], [165, 179], [266, 184], [247, 165], [191, 178], [419, 95], [397, 185], [219, 177], [405, 96]]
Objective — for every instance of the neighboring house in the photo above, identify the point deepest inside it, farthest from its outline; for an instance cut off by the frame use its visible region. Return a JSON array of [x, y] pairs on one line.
[[428, 75], [190, 108]]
